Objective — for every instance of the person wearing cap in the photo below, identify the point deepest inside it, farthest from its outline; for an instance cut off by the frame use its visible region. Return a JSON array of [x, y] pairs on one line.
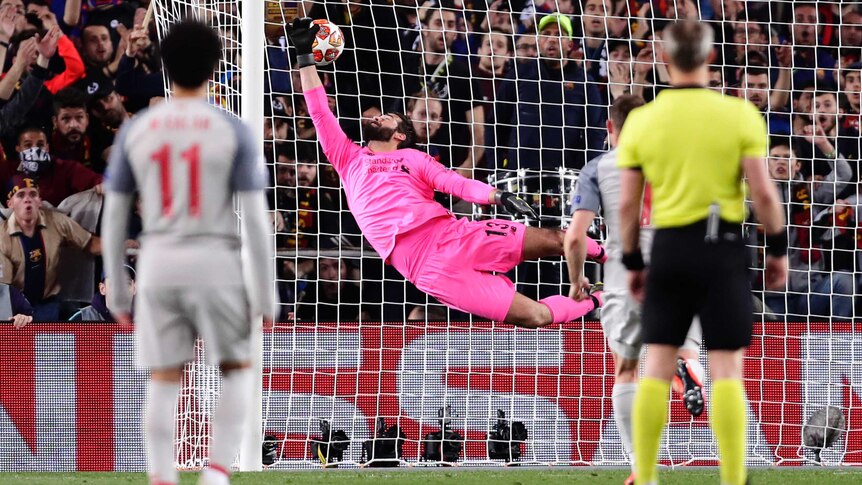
[[549, 113], [30, 242], [107, 114], [98, 310]]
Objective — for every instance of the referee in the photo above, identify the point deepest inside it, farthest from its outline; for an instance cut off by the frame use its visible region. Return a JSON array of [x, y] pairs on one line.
[[693, 146]]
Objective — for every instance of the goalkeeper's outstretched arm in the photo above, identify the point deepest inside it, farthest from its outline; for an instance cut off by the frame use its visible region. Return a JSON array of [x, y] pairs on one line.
[[338, 147]]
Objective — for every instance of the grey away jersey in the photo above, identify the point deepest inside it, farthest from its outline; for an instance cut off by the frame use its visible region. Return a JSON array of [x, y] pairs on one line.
[[598, 190], [187, 159]]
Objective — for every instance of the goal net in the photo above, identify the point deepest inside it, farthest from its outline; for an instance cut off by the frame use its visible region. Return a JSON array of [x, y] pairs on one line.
[[358, 343]]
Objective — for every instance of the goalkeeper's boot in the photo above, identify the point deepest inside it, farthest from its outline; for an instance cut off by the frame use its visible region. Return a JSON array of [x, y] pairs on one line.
[[688, 382], [630, 480]]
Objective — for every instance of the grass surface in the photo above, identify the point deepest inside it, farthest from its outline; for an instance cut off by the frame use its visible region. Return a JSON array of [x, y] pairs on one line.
[[456, 477]]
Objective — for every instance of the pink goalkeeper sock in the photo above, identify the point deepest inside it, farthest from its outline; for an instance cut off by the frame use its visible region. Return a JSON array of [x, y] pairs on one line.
[[596, 251], [565, 309]]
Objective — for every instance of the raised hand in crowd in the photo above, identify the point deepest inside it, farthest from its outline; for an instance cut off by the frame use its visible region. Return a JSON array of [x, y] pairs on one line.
[[48, 19], [138, 42], [28, 51], [642, 24], [47, 45], [817, 135], [784, 55], [619, 77], [8, 19]]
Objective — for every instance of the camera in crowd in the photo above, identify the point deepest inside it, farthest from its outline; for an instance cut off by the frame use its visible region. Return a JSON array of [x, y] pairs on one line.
[[330, 447], [384, 450], [505, 439], [269, 453], [444, 445]]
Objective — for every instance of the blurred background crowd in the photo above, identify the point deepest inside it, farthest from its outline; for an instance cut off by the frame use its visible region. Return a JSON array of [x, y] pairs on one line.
[[514, 92]]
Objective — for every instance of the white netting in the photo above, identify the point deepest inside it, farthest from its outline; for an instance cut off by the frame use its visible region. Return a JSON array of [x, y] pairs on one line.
[[487, 114]]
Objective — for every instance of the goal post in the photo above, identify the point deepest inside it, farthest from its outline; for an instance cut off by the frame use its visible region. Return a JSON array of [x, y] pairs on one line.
[[251, 110]]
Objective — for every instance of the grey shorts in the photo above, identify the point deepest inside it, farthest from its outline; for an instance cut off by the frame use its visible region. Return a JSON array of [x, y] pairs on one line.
[[621, 322], [169, 319]]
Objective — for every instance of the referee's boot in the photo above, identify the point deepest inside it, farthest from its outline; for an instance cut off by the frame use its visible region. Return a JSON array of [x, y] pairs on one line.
[[630, 480], [689, 384]]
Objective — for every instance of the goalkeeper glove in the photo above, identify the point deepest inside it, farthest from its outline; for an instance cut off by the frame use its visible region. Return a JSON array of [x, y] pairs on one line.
[[301, 35], [515, 205]]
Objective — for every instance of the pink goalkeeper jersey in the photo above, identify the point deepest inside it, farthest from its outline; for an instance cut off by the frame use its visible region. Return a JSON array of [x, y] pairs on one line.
[[388, 193]]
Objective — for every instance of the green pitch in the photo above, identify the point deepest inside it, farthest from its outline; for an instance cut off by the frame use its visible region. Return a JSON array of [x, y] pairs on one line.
[[566, 476]]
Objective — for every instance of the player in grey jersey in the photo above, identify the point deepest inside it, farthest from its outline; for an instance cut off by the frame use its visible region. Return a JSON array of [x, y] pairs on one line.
[[599, 187], [187, 160]]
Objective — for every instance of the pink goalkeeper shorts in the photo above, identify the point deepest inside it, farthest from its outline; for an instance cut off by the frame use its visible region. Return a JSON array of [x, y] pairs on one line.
[[453, 260]]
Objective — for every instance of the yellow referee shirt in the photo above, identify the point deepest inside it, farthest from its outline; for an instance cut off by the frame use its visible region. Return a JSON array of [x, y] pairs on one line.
[[689, 143]]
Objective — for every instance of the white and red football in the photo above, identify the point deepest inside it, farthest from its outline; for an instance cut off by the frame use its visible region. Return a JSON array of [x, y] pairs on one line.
[[328, 43]]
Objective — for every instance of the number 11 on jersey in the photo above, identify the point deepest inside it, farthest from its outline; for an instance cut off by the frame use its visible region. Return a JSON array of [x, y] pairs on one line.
[[192, 156]]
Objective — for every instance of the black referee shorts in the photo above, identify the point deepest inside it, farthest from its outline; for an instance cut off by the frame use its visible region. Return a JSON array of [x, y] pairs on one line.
[[687, 277]]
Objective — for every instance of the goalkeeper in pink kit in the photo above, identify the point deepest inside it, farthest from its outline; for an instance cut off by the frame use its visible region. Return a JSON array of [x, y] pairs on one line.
[[390, 191]]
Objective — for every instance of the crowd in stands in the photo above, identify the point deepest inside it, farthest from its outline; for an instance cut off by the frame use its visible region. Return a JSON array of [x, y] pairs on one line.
[[496, 89]]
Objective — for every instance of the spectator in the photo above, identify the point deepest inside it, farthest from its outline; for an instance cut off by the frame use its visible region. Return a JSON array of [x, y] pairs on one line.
[[97, 50], [30, 242], [41, 19], [803, 200], [275, 123], [426, 112], [12, 12], [58, 178], [139, 76], [118, 15], [330, 297], [448, 76], [827, 136], [850, 38], [559, 127], [107, 113], [716, 79], [14, 111], [71, 13], [754, 87], [747, 37], [493, 60], [35, 60], [811, 60], [69, 140], [98, 310], [526, 47], [499, 16], [851, 89], [595, 34]]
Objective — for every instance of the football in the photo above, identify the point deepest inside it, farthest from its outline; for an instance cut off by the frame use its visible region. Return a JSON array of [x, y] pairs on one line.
[[328, 44]]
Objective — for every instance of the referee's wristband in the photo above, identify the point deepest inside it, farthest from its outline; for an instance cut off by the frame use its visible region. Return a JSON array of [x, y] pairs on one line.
[[776, 244], [634, 261], [305, 60]]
